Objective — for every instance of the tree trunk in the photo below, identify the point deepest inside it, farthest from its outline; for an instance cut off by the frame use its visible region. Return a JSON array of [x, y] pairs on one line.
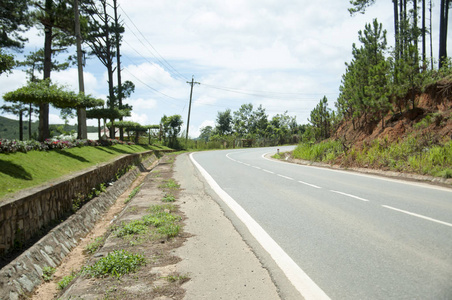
[[109, 70], [443, 31], [431, 37], [82, 132], [99, 130], [416, 35], [21, 125], [29, 121], [44, 132], [396, 28], [424, 51]]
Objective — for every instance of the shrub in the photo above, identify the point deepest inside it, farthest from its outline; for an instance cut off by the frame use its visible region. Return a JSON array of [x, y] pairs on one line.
[[12, 146]]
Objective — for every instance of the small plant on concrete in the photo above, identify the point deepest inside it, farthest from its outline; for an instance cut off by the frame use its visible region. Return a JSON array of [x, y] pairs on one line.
[[47, 273], [170, 184], [96, 244], [169, 198], [176, 277], [116, 264], [133, 193], [131, 228], [63, 283]]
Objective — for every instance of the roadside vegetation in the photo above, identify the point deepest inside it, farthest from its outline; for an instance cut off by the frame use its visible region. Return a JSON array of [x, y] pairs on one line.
[[159, 223], [394, 109], [413, 155]]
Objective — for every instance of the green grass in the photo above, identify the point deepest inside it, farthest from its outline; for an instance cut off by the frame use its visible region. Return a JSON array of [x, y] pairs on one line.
[[159, 223], [169, 198], [24, 170], [47, 273], [414, 154], [170, 184], [96, 244], [116, 264], [133, 193], [63, 283], [176, 277]]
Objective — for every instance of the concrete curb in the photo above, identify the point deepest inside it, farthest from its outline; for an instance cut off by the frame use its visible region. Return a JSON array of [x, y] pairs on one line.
[[23, 274]]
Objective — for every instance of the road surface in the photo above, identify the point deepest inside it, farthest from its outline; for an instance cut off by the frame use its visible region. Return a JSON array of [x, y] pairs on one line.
[[339, 234]]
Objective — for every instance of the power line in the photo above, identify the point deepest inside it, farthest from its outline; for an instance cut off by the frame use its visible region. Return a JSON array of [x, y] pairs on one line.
[[267, 94], [163, 60], [148, 86]]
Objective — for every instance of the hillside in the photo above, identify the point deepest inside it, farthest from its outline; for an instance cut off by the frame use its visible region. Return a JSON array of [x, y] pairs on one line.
[[430, 121], [410, 140], [9, 129]]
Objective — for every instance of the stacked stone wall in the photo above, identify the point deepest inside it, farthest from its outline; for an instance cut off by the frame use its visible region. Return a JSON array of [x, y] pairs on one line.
[[23, 274], [27, 214]]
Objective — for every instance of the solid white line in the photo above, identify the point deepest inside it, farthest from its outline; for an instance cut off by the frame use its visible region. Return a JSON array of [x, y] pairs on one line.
[[348, 195], [268, 171], [417, 215], [284, 177], [314, 186], [301, 281]]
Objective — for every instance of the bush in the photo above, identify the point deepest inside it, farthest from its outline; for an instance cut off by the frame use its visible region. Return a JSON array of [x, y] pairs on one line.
[[12, 146]]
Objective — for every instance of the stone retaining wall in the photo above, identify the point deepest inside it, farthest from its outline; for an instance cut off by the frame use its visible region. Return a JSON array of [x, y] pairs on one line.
[[23, 216], [23, 274]]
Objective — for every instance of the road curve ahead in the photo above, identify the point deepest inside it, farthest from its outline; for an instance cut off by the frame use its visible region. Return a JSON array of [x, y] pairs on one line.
[[338, 234]]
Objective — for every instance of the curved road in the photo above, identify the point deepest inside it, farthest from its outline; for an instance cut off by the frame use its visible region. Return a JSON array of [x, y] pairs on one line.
[[339, 234]]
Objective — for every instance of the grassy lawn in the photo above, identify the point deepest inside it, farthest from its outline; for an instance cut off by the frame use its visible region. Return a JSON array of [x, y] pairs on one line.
[[23, 170]]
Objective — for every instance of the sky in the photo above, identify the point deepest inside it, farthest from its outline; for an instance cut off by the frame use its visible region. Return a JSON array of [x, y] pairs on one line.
[[284, 55]]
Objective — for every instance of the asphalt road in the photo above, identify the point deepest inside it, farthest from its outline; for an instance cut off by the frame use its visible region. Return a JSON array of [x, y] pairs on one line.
[[339, 234]]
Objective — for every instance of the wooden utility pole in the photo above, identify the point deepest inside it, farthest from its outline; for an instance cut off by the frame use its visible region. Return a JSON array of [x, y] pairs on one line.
[[82, 132], [189, 106]]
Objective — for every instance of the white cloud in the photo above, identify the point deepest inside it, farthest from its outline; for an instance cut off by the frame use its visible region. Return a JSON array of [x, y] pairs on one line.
[[138, 118], [11, 82], [195, 131], [69, 78]]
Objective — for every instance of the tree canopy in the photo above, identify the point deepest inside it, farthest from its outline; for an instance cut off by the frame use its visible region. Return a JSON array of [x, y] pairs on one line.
[[45, 92]]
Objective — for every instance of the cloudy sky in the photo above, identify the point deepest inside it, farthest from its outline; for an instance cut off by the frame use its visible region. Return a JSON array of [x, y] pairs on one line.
[[283, 55]]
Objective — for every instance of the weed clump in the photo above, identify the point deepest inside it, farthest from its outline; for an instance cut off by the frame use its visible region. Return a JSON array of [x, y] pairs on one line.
[[116, 264]]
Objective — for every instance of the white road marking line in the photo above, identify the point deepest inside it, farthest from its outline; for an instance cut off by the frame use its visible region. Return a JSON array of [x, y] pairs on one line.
[[311, 185], [348, 195], [257, 168], [284, 177], [301, 281], [248, 165], [417, 215], [268, 171], [353, 173]]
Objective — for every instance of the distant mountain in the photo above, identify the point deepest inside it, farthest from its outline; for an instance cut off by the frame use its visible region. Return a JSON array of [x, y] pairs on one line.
[[9, 129]]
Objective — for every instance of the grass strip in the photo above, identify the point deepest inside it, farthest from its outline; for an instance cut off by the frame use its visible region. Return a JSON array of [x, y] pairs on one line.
[[24, 170]]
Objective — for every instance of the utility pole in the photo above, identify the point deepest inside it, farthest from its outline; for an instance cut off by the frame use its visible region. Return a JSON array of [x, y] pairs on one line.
[[189, 106]]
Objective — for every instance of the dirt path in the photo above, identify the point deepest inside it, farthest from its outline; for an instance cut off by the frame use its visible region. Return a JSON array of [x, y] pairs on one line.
[[77, 258]]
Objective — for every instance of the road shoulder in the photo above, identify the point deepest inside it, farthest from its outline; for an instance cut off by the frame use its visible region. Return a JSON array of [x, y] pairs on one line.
[[220, 263]]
